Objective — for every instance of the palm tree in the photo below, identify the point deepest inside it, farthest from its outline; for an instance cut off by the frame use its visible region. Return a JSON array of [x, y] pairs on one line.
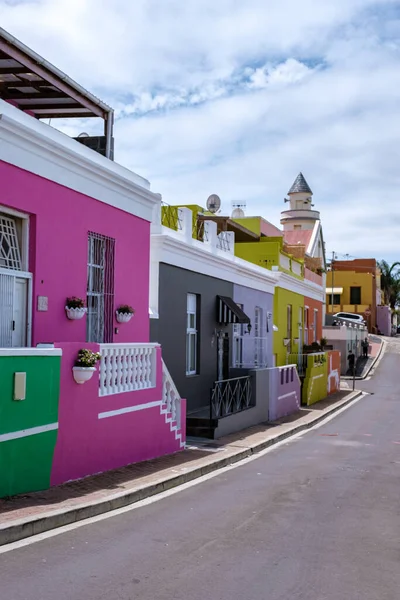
[[390, 283]]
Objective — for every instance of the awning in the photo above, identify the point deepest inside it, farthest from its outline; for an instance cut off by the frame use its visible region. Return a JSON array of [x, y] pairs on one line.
[[229, 312], [338, 290]]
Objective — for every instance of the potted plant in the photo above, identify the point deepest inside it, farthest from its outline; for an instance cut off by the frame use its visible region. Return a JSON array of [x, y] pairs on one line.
[[75, 308], [323, 342], [85, 365], [124, 313]]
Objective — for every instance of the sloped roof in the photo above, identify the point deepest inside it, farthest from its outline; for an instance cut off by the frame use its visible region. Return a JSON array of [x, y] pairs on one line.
[[300, 185], [298, 237]]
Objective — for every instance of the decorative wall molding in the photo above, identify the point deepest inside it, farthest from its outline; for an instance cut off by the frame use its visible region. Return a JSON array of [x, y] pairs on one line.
[[40, 149]]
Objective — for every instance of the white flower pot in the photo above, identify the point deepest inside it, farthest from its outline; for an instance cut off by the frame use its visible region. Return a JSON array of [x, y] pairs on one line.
[[82, 374], [75, 313], [123, 317]]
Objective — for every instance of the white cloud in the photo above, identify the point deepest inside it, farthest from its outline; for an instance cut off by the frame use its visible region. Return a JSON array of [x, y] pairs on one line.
[[236, 98]]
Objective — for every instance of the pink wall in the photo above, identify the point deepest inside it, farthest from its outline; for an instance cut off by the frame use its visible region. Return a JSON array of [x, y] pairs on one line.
[[269, 230], [384, 320], [59, 225], [311, 276], [334, 360], [87, 445]]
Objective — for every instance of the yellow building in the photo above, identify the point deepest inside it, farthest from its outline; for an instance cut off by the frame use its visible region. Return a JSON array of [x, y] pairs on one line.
[[353, 286]]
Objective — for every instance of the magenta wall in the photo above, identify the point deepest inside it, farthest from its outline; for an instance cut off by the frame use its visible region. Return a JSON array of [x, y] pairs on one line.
[[59, 225], [87, 445]]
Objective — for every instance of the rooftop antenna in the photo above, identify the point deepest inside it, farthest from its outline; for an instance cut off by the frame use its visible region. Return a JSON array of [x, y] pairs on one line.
[[213, 203], [238, 210]]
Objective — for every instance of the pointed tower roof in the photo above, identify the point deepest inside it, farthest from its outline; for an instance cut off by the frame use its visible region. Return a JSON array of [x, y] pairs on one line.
[[300, 185]]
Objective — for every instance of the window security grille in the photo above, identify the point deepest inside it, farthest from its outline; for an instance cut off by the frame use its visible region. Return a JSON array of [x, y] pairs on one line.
[[100, 288], [10, 254]]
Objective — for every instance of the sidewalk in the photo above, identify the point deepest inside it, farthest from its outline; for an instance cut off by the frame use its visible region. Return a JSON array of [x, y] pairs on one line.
[[29, 514], [363, 367]]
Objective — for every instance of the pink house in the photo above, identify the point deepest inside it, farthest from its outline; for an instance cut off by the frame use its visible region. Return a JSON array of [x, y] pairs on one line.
[[75, 223]]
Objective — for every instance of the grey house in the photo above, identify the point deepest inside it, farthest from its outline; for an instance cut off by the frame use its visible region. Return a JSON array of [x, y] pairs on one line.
[[196, 313]]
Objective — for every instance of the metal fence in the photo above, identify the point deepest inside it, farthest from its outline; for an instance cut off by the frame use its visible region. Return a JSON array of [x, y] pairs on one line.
[[200, 231], [171, 216], [230, 396], [223, 242]]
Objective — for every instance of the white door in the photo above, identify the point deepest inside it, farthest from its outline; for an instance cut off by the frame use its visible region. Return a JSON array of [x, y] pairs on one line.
[[6, 309], [19, 313], [13, 311]]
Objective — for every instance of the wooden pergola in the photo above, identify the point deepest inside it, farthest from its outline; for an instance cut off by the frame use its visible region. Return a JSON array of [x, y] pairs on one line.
[[35, 86]]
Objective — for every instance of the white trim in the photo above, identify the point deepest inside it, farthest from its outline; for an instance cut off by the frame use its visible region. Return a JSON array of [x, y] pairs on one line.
[[38, 148], [30, 352], [15, 435], [128, 409], [174, 251], [304, 287], [288, 395]]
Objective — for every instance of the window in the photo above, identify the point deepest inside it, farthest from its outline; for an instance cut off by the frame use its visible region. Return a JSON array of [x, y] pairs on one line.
[[237, 350], [258, 339], [297, 227], [355, 295], [315, 325], [10, 254], [306, 324], [334, 298], [100, 289], [289, 327], [191, 334]]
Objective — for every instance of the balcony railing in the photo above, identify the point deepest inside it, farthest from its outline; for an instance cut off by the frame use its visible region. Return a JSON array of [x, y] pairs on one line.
[[127, 368], [171, 216], [224, 241], [230, 396], [200, 231]]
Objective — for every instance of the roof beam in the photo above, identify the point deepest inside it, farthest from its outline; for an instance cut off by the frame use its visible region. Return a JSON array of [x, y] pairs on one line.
[[13, 70], [82, 115], [33, 67]]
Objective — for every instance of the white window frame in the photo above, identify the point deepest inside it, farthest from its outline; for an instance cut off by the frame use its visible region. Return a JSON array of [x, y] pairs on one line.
[[237, 335], [191, 333], [258, 340], [24, 273], [315, 324]]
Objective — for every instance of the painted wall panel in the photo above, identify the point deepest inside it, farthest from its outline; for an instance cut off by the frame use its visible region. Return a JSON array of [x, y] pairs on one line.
[[316, 380], [282, 299], [26, 462], [284, 392], [250, 299]]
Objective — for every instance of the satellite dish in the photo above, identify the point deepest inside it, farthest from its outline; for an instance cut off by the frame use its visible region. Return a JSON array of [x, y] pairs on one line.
[[213, 203], [83, 135], [238, 213]]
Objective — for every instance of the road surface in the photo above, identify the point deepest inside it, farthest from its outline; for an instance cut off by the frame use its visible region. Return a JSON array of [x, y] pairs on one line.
[[315, 519]]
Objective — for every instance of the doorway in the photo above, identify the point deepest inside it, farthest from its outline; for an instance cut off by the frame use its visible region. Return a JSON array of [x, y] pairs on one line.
[[14, 291]]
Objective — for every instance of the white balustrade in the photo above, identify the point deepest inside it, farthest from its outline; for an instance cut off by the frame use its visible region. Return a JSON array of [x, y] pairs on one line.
[[127, 368], [284, 261], [296, 268], [171, 397]]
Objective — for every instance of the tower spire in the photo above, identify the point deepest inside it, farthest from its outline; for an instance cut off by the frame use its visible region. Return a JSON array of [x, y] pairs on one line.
[[300, 185]]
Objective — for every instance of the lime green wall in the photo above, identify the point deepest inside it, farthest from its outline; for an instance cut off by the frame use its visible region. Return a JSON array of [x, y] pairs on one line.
[[25, 462], [265, 252], [315, 385], [251, 223], [281, 300]]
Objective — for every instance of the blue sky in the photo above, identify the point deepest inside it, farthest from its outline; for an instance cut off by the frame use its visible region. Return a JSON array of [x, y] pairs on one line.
[[235, 98]]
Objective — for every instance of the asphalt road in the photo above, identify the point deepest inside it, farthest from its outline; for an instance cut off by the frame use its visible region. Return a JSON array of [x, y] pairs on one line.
[[316, 519]]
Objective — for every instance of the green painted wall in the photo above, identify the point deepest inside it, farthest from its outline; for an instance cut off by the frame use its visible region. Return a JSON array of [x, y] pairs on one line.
[[315, 384], [265, 252], [282, 298], [252, 223], [25, 463]]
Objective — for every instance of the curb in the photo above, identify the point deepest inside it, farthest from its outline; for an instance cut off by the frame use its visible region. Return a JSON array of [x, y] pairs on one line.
[[24, 528]]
